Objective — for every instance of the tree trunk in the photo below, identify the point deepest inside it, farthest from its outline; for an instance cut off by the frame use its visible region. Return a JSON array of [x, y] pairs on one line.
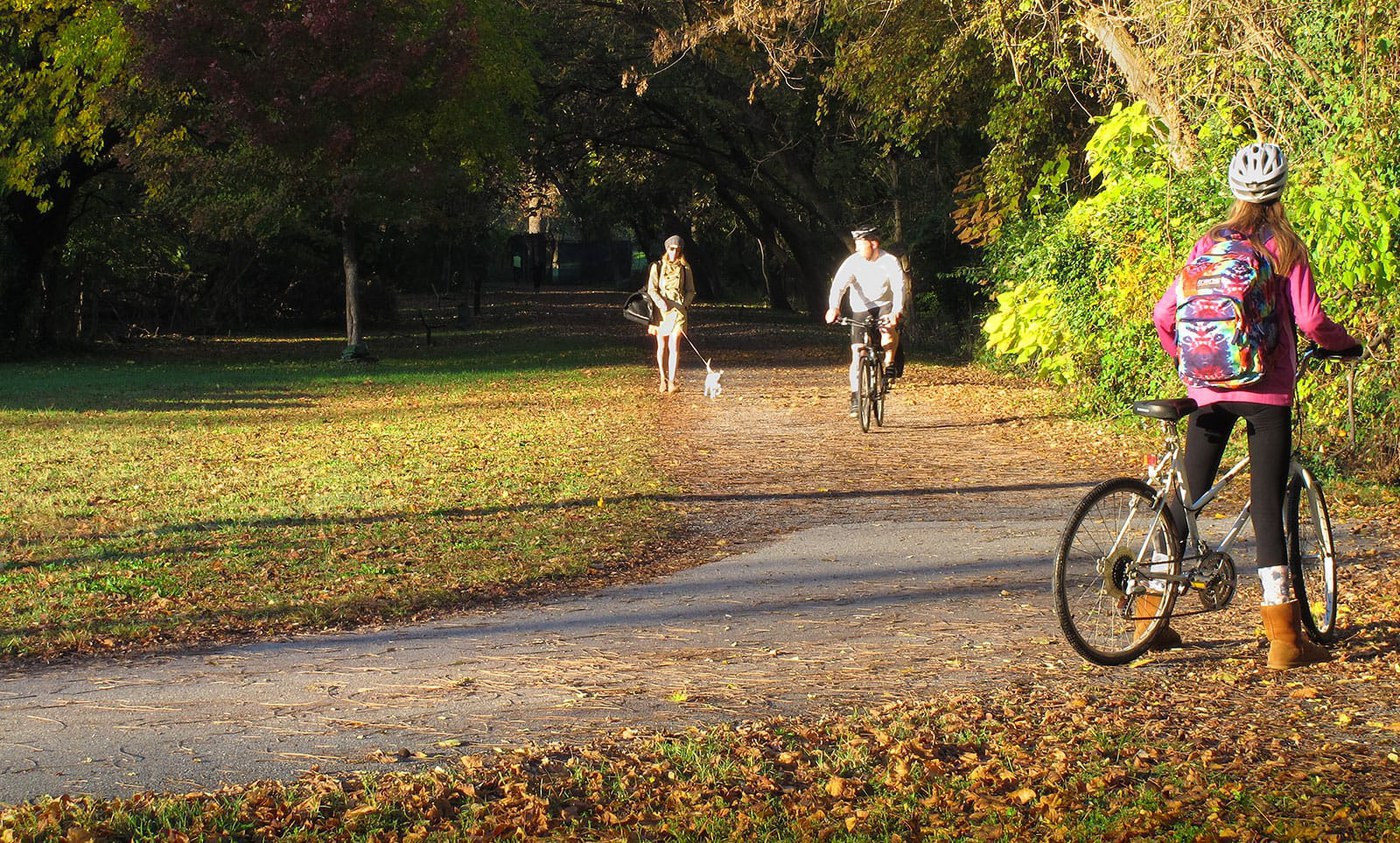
[[772, 281], [816, 256], [897, 205], [1143, 82], [37, 304], [21, 257], [765, 233], [350, 260], [781, 186]]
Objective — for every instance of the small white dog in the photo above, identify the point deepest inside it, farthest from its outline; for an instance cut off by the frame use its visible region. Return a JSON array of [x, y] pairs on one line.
[[712, 387]]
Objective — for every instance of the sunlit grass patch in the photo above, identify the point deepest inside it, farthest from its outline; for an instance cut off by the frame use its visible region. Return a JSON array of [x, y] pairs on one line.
[[152, 500]]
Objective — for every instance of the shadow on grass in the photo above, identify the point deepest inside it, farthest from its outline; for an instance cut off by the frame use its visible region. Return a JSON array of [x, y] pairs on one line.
[[215, 383], [696, 600], [466, 513]]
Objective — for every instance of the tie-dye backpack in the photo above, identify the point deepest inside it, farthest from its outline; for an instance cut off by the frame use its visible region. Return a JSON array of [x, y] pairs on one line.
[[1226, 315]]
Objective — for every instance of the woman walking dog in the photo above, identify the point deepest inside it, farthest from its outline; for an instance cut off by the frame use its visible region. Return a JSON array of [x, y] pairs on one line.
[[671, 287]]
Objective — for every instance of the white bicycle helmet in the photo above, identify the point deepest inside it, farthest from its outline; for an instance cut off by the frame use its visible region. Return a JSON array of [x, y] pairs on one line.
[[1258, 173]]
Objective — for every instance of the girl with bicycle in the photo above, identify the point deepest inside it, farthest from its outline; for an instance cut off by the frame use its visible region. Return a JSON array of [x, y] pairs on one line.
[[1257, 176]]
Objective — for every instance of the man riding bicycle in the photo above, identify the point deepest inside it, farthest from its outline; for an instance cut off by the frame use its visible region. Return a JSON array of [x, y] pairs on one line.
[[876, 284]]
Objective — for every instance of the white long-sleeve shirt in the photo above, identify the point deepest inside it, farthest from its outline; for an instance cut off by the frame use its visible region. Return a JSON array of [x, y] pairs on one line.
[[877, 283]]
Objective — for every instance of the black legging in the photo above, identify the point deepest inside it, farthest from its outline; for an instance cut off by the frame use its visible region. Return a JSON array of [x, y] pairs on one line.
[[1270, 430]]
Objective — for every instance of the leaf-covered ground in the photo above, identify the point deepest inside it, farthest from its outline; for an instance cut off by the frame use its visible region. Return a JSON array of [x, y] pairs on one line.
[[1154, 758], [1199, 743]]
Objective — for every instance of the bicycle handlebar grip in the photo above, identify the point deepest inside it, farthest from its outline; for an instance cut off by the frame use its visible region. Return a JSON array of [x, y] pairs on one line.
[[1314, 350]]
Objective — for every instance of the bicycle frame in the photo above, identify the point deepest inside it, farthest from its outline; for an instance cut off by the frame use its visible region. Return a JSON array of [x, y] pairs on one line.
[[1167, 476], [869, 359], [872, 334]]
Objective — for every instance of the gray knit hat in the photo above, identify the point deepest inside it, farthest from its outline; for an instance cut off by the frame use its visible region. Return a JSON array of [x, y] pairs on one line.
[[675, 240]]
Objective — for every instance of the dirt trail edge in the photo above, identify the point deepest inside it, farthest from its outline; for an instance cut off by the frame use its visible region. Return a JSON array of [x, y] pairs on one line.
[[840, 569]]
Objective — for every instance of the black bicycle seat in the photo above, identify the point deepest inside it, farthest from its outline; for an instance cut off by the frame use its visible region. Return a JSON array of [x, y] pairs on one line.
[[1169, 409]]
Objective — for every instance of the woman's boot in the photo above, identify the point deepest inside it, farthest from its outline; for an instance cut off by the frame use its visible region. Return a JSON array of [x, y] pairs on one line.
[[1288, 646], [1146, 610]]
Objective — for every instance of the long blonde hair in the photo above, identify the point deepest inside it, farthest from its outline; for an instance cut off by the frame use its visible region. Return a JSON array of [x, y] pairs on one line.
[[1259, 221]]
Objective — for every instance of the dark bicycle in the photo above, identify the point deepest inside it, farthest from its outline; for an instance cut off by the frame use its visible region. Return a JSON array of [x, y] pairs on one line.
[[872, 384]]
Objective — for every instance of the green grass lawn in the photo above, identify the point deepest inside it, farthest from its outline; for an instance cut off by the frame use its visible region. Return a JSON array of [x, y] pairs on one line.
[[205, 490]]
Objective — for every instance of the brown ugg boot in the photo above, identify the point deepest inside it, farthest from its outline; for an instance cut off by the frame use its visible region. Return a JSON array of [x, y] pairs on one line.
[[1146, 609], [1288, 646]]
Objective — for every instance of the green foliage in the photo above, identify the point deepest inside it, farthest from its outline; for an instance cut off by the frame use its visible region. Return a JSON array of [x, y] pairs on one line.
[[1074, 288], [62, 64], [914, 69], [411, 100], [59, 63], [1349, 218], [1126, 149], [1036, 299], [1323, 80], [1088, 322]]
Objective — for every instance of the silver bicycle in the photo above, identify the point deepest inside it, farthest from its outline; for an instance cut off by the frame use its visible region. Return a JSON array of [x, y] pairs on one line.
[[1122, 560]]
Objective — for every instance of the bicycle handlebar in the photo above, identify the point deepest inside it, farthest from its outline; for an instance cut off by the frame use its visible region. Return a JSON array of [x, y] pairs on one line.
[[1172, 410], [1313, 351], [867, 322]]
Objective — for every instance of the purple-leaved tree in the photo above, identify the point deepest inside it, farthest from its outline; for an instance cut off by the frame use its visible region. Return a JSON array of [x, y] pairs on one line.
[[371, 112]]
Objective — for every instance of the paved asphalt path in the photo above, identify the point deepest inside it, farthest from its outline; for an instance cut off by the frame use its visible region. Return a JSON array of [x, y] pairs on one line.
[[821, 619]]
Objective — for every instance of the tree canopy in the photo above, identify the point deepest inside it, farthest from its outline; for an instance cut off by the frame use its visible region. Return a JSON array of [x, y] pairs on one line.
[[60, 63], [1046, 163], [376, 112]]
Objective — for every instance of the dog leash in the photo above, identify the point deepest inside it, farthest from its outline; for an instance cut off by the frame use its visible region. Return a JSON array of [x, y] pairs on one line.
[[686, 334]]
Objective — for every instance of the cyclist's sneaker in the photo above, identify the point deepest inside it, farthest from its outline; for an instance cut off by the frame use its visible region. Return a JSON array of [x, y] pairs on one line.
[[892, 372], [855, 405]]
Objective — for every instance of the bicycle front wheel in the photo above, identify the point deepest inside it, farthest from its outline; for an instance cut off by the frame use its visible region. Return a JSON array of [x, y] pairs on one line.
[[882, 386], [867, 392], [1312, 557], [1104, 600]]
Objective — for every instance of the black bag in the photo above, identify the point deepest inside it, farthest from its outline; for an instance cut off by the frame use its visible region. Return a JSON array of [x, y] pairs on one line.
[[639, 309]]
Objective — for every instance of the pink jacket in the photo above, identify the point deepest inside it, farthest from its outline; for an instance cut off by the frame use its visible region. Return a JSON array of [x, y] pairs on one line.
[[1299, 306]]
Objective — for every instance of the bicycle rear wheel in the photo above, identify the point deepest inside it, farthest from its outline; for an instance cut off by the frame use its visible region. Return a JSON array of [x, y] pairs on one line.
[[1098, 583], [1312, 557], [867, 392]]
